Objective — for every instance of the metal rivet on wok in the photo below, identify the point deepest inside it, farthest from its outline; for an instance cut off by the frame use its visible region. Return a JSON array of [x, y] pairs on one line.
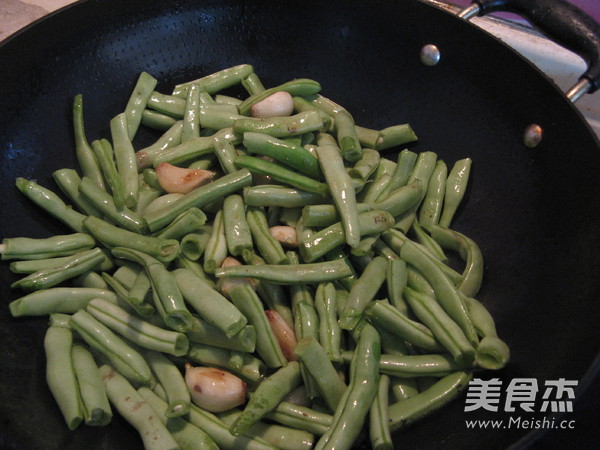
[[533, 135], [430, 55]]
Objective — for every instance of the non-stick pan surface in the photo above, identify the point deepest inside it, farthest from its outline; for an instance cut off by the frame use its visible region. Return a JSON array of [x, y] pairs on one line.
[[534, 212]]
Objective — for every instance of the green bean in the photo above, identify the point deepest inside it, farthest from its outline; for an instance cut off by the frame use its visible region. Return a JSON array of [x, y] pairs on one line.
[[139, 289], [431, 207], [409, 366], [134, 409], [126, 162], [165, 250], [273, 295], [126, 360], [75, 266], [282, 437], [192, 149], [446, 331], [290, 274], [127, 272], [423, 169], [252, 84], [370, 222], [363, 292], [445, 291], [138, 331], [171, 380], [157, 120], [203, 332], [301, 417], [185, 223], [301, 86], [492, 352], [379, 429], [226, 154], [57, 300], [204, 162], [429, 244], [280, 127], [237, 230], [221, 99], [317, 362], [364, 167], [270, 249], [242, 364], [187, 436], [216, 81], [280, 196], [104, 152], [403, 388], [382, 249], [406, 412], [340, 187], [200, 197], [456, 186], [94, 402], [383, 315], [191, 115], [404, 168], [245, 299], [354, 406], [216, 247], [33, 265], [84, 153], [167, 104], [281, 174], [42, 248], [51, 203], [330, 333], [146, 196], [193, 244], [346, 135], [472, 275], [395, 135], [68, 181], [90, 279], [209, 303], [301, 104], [374, 188], [171, 303], [396, 280], [292, 155], [124, 217], [266, 396], [169, 139], [60, 374], [137, 102], [216, 117], [130, 304], [219, 432]]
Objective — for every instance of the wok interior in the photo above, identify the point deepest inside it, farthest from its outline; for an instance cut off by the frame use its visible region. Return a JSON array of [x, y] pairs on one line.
[[534, 212]]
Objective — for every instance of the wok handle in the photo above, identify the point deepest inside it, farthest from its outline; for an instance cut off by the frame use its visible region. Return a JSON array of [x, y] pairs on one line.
[[565, 24]]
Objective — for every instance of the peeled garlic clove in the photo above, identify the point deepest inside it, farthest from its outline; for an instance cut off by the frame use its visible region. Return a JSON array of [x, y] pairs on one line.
[[285, 235], [213, 389], [178, 179], [283, 333], [275, 105]]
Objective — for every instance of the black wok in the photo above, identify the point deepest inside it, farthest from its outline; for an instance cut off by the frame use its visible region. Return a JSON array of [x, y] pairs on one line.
[[534, 212]]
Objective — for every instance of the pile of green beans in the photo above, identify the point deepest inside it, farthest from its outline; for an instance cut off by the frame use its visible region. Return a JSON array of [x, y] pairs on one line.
[[143, 280]]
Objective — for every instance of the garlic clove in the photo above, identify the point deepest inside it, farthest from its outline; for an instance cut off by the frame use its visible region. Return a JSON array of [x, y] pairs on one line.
[[285, 235], [213, 389], [178, 179], [275, 105], [283, 333]]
